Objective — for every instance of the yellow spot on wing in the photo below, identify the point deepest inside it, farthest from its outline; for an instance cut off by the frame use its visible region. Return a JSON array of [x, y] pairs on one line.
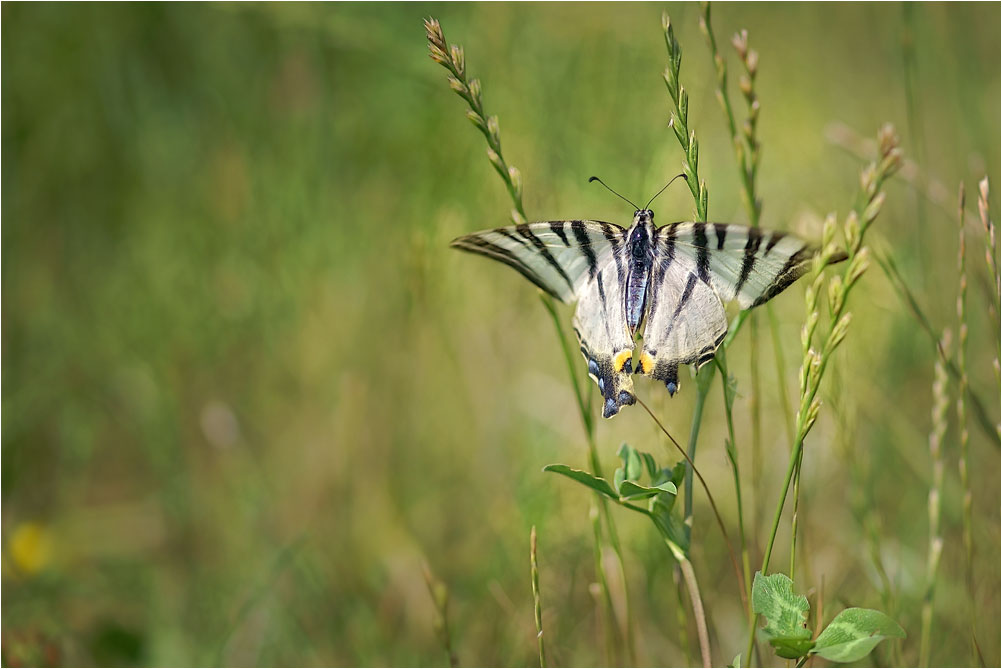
[[620, 360], [646, 363]]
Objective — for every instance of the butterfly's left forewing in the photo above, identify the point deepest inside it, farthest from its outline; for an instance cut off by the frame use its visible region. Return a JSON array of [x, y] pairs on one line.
[[557, 256], [582, 261]]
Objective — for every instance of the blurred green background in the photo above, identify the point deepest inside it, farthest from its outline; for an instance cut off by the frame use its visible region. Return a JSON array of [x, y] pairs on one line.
[[248, 390]]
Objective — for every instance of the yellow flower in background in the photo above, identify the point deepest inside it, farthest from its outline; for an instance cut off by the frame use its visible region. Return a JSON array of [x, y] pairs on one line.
[[30, 548]]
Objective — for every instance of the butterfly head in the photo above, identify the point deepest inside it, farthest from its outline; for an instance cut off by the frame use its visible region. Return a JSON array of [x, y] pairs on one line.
[[641, 232], [643, 216]]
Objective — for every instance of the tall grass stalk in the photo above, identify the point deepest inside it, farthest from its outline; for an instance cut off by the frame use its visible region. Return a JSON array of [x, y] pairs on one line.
[[747, 152], [678, 121], [991, 255], [754, 207], [697, 607], [685, 565], [681, 620], [604, 594], [709, 497], [536, 600], [964, 436], [728, 386], [941, 401], [453, 59], [815, 362], [440, 598]]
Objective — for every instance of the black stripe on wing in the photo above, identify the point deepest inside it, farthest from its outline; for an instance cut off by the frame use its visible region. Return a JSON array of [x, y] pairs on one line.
[[663, 258], [581, 234], [558, 229], [526, 232], [614, 235], [720, 229], [795, 267], [751, 248], [481, 246], [686, 294], [702, 253]]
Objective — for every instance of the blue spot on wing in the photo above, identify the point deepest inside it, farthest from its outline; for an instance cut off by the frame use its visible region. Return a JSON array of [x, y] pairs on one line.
[[610, 409]]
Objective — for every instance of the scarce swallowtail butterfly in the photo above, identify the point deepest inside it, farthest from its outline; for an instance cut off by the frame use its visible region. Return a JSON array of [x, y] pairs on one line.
[[668, 283]]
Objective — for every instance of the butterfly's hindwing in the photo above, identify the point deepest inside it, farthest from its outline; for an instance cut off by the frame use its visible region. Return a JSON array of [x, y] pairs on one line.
[[606, 343], [686, 320]]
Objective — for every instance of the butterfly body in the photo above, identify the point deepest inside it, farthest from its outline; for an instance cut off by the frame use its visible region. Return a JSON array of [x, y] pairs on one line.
[[640, 236], [668, 283]]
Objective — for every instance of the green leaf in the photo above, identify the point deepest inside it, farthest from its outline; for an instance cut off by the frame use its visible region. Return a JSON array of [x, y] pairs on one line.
[[784, 610], [617, 478], [631, 490], [736, 662], [854, 633], [593, 482], [652, 466], [791, 649], [632, 464], [668, 524], [677, 473], [667, 487]]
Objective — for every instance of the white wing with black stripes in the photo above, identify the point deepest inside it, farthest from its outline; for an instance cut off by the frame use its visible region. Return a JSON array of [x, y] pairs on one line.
[[697, 267], [557, 256], [579, 261], [669, 283], [685, 320]]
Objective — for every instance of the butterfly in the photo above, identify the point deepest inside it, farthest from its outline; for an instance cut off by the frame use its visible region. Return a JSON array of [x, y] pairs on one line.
[[667, 283]]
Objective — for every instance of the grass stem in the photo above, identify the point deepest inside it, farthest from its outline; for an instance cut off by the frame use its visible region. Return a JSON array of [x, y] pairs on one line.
[[747, 153], [681, 621], [993, 267], [963, 463], [536, 600], [452, 57], [732, 456], [697, 608], [939, 424], [812, 371], [704, 380], [709, 496], [440, 598]]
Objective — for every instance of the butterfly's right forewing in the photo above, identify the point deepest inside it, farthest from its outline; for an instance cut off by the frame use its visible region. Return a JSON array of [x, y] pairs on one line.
[[582, 261]]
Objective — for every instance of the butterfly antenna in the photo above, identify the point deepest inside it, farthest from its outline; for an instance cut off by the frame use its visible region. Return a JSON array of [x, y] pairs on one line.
[[665, 188], [612, 191]]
